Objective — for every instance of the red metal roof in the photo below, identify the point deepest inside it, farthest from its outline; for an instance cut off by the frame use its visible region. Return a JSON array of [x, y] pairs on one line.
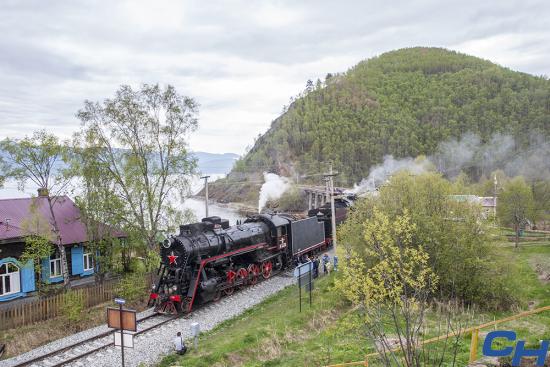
[[14, 212]]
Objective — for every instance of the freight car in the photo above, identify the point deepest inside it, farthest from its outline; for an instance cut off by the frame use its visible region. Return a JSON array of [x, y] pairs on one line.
[[209, 259]]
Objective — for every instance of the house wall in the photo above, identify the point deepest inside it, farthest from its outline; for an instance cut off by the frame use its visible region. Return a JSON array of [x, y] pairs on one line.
[[11, 249], [75, 262]]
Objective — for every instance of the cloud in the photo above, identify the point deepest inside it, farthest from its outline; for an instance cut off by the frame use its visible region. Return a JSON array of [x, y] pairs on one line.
[[241, 60]]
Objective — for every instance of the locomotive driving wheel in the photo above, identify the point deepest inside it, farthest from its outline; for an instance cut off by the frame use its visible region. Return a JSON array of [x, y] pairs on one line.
[[158, 307], [230, 280], [168, 307], [253, 274], [242, 276], [267, 266]]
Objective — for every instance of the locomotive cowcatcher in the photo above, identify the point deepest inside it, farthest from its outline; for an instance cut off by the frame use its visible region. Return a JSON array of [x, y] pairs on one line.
[[209, 259]]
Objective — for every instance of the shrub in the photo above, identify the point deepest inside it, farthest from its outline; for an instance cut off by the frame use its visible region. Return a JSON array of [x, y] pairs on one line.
[[73, 305], [132, 287], [137, 266], [453, 234], [152, 261]]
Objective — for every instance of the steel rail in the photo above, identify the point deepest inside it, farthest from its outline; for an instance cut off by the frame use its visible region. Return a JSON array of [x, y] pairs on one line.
[[104, 334], [82, 342]]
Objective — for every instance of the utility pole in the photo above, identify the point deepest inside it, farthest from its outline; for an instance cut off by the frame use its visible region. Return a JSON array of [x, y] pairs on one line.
[[206, 194], [495, 198], [330, 180], [327, 190]]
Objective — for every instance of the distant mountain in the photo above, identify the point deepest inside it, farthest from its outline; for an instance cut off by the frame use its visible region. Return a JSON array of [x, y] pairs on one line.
[[215, 163], [208, 163], [401, 103]]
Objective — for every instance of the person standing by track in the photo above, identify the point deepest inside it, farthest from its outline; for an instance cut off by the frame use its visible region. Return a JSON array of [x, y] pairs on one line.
[[326, 260], [315, 266]]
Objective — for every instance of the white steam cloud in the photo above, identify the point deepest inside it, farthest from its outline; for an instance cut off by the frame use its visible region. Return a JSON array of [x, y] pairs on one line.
[[381, 173], [471, 155], [272, 189]]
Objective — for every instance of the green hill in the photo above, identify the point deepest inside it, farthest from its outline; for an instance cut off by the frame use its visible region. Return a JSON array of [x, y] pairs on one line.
[[402, 103]]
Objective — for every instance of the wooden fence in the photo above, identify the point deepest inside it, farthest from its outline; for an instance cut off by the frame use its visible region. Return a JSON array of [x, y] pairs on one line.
[[45, 308]]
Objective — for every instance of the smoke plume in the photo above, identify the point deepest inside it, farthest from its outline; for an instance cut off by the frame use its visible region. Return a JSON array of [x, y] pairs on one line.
[[471, 155], [272, 189], [381, 173]]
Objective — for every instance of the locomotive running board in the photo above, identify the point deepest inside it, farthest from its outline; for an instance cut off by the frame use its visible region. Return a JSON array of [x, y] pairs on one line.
[[197, 276]]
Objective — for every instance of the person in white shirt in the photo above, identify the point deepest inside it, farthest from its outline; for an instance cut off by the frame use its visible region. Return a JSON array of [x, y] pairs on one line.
[[179, 344]]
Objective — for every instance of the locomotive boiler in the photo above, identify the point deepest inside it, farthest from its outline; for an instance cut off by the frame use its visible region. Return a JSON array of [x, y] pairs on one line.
[[209, 259]]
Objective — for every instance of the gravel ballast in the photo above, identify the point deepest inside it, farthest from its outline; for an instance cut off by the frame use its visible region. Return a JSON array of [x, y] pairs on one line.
[[151, 346]]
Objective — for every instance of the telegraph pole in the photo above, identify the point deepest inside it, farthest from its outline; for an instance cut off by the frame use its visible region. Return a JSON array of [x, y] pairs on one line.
[[206, 194], [495, 198], [330, 180], [327, 190]]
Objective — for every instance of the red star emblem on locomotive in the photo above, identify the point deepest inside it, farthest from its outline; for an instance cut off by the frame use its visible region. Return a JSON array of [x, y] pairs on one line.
[[172, 258]]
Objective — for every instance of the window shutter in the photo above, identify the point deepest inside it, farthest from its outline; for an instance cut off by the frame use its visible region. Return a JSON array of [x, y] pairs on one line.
[[77, 259]]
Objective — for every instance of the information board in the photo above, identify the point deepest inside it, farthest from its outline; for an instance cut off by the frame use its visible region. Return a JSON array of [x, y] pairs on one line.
[[128, 319]]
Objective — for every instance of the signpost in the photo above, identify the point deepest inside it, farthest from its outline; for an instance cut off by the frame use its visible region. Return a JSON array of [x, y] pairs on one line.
[[123, 320], [303, 273]]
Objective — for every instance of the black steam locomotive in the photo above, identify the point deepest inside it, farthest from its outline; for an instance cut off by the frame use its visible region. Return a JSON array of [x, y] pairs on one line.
[[209, 259]]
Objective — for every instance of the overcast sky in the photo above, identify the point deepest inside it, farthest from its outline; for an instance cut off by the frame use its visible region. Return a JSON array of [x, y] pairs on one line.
[[241, 60]]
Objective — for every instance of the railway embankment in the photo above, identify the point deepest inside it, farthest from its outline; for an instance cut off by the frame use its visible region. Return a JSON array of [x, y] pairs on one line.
[[240, 207], [152, 345], [230, 190], [275, 333]]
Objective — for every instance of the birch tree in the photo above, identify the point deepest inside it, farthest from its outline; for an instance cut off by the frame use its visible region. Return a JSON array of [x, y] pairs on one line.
[[139, 138], [39, 159], [516, 205], [396, 284]]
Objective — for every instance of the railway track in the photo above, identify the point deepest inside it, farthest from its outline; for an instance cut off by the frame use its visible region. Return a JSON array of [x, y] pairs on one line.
[[84, 348], [74, 353]]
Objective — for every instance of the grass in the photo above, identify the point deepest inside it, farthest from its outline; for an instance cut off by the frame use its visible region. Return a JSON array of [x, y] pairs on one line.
[[274, 333]]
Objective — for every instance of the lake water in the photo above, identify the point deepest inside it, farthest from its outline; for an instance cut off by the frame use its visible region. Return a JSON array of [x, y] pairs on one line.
[[10, 191]]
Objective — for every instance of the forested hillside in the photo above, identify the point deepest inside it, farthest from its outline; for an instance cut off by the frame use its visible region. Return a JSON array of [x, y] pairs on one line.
[[403, 103]]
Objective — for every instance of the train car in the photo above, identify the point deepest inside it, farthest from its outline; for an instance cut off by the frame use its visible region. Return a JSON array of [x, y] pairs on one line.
[[324, 214], [209, 259]]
